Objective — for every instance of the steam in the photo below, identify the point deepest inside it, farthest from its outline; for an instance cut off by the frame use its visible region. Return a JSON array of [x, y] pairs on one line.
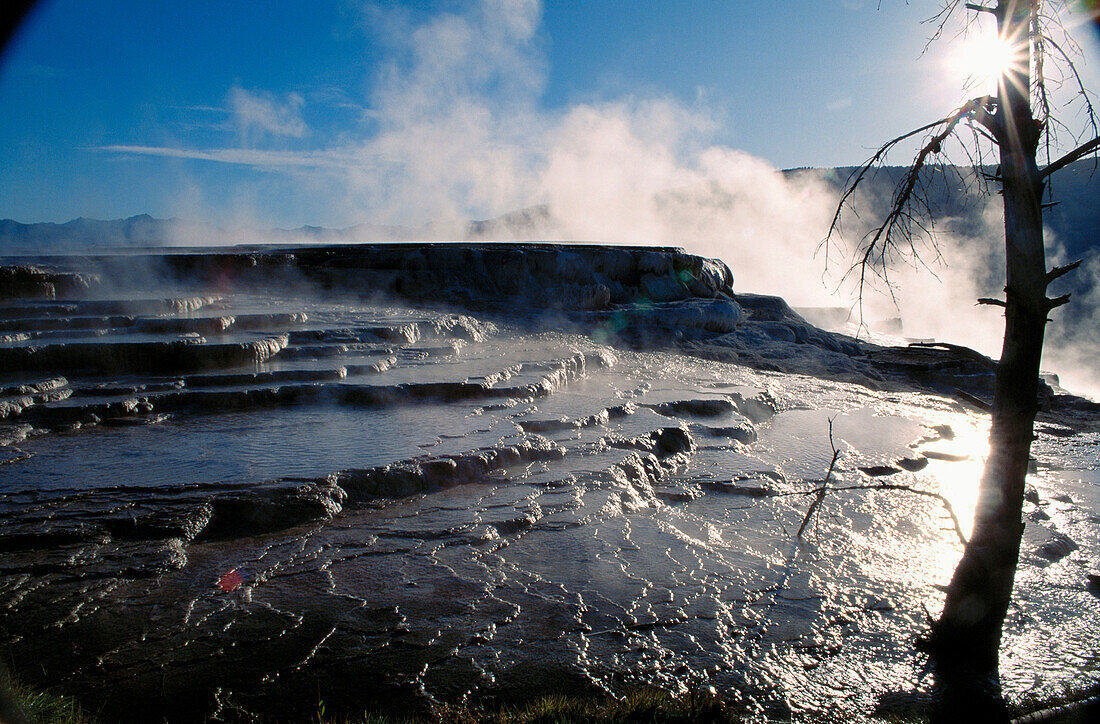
[[1073, 336], [939, 302], [460, 135], [457, 132]]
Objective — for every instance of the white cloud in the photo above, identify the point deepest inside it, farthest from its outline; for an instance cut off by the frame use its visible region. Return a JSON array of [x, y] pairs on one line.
[[256, 158], [257, 113]]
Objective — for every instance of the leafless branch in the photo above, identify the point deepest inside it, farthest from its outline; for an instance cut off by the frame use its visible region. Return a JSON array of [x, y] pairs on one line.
[[1060, 271], [1067, 60], [820, 493], [1040, 83], [957, 349], [911, 215], [824, 485], [992, 302], [1057, 301], [940, 21], [1080, 152]]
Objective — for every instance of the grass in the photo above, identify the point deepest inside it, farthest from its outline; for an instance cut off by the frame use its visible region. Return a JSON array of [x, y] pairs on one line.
[[1068, 695], [40, 706], [656, 706], [649, 705], [637, 706]]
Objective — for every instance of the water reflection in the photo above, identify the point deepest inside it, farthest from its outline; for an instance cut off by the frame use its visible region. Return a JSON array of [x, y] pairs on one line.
[[610, 556], [956, 465]]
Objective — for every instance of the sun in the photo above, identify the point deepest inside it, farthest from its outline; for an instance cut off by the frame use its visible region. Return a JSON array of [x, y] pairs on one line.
[[980, 60]]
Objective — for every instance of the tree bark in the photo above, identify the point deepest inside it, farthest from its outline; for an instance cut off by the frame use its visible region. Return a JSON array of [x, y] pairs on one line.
[[964, 643]]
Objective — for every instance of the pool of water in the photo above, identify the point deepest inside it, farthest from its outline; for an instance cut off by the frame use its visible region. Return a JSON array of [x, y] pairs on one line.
[[613, 561]]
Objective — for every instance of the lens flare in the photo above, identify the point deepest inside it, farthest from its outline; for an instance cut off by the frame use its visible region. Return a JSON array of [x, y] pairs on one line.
[[979, 61]]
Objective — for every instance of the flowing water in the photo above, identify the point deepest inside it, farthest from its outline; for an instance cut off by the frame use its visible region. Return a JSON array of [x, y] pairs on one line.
[[467, 509]]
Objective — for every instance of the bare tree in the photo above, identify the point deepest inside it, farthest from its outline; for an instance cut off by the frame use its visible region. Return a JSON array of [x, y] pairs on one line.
[[1017, 123]]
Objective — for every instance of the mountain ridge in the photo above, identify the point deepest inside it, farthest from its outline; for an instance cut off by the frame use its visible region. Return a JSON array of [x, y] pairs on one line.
[[1074, 219]]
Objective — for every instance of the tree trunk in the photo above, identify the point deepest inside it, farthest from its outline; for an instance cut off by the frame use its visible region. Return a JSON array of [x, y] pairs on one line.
[[965, 641]]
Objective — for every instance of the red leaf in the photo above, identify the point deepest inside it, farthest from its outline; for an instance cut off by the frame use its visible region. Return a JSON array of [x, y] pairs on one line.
[[230, 581]]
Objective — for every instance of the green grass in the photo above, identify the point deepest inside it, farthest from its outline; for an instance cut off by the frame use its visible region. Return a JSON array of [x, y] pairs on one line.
[[1068, 695], [635, 706], [45, 706], [656, 706], [638, 706]]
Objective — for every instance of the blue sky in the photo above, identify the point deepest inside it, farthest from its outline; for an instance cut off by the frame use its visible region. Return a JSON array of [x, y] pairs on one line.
[[333, 113]]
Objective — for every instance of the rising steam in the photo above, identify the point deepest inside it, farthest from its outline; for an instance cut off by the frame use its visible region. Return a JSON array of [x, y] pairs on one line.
[[457, 132]]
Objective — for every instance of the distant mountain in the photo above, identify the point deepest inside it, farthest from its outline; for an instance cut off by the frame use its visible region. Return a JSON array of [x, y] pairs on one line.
[[1074, 221], [144, 231], [532, 223], [141, 230], [1074, 217]]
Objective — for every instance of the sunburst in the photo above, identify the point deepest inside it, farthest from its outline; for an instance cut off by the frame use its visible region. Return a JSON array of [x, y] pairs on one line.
[[982, 60]]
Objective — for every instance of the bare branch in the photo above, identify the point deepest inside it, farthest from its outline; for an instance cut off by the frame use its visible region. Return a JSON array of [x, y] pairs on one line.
[[820, 492], [973, 400], [1057, 301], [992, 302], [858, 175], [824, 486], [1039, 80], [1090, 109], [959, 350], [940, 20], [1080, 152], [910, 214], [1060, 271]]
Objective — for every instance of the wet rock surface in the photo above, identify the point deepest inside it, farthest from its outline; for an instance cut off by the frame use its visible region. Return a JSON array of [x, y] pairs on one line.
[[267, 485], [23, 281]]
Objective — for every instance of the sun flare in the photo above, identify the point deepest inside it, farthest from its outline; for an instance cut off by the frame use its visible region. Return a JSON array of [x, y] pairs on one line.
[[980, 60]]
